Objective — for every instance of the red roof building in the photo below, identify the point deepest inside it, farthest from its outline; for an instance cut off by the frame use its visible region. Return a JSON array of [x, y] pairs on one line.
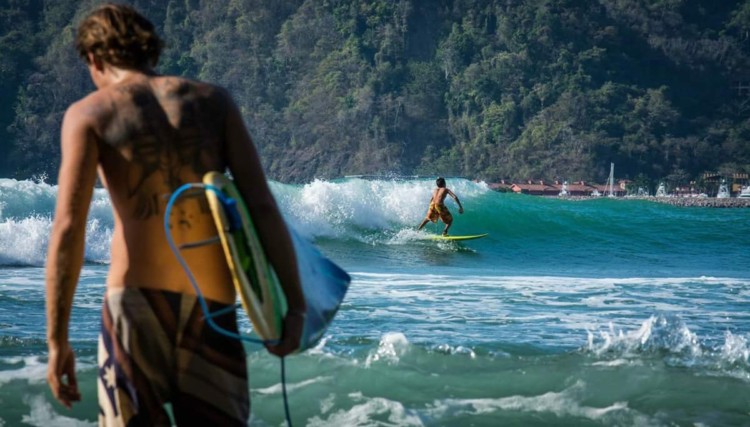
[[538, 188], [541, 188]]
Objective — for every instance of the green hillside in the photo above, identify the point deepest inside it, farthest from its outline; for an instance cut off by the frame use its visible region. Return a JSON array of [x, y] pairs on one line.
[[505, 89]]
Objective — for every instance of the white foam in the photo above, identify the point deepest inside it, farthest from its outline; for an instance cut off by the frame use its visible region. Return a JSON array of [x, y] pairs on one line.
[[669, 337], [32, 370], [657, 332], [735, 349], [24, 241], [319, 346], [556, 283], [407, 235], [98, 241], [362, 414], [20, 199], [26, 210], [562, 404], [277, 388], [617, 363], [392, 346], [43, 415], [449, 349], [18, 279], [327, 403]]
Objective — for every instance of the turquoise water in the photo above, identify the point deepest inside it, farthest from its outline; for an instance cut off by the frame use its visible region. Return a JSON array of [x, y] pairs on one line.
[[595, 312]]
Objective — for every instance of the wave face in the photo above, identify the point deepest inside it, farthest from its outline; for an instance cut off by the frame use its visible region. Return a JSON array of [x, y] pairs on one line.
[[377, 219], [527, 234], [26, 212]]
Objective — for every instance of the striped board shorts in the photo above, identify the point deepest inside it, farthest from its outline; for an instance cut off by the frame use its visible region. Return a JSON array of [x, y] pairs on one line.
[[155, 348]]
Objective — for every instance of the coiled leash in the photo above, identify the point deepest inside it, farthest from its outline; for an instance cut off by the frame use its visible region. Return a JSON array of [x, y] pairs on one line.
[[230, 206]]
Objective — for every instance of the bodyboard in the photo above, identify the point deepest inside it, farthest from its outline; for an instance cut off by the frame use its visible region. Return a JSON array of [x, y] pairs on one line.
[[457, 238], [324, 284]]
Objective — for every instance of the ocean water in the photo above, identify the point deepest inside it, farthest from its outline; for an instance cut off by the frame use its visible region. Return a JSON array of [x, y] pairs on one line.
[[604, 312]]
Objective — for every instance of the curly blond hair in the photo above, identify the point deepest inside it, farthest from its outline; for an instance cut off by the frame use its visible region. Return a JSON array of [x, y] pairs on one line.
[[120, 36]]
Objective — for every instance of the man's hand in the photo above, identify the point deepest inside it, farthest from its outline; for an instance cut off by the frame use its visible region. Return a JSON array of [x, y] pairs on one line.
[[62, 364], [460, 209], [290, 334]]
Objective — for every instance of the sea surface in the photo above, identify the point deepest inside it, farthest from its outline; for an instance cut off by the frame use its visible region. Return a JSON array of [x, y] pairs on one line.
[[602, 312]]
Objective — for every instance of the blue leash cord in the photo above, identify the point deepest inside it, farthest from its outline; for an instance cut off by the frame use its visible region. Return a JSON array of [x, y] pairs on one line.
[[201, 300], [172, 245]]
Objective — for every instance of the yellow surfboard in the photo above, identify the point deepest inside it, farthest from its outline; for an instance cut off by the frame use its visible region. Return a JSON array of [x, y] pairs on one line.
[[324, 284], [459, 238], [254, 279]]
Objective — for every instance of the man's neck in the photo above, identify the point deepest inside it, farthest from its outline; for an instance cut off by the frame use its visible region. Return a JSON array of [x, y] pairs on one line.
[[111, 75]]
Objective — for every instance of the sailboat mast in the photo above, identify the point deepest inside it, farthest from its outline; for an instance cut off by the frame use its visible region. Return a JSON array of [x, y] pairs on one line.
[[611, 183]]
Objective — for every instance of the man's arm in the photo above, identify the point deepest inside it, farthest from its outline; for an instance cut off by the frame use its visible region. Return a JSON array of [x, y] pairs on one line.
[[247, 171], [460, 208], [66, 247]]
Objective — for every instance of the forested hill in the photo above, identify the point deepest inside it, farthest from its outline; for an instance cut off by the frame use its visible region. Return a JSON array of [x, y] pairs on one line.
[[513, 89]]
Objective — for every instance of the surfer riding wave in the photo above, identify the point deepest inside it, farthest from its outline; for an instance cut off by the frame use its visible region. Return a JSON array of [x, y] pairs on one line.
[[437, 207]]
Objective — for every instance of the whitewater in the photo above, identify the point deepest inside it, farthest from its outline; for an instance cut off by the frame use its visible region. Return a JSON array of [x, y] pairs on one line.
[[601, 312]]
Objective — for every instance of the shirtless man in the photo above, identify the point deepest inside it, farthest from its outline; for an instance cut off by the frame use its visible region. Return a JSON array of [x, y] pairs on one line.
[[437, 206], [145, 135]]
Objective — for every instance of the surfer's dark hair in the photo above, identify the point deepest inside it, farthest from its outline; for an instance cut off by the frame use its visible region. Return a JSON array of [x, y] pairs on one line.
[[440, 182], [118, 35]]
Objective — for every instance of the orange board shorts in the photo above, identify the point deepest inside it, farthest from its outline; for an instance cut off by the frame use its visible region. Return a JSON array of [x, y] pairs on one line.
[[439, 211]]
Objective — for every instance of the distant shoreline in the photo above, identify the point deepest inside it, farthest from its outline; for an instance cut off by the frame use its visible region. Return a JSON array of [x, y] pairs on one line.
[[699, 202], [706, 202]]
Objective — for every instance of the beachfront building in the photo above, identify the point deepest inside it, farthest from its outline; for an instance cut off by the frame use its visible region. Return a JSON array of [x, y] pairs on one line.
[[536, 188], [739, 181], [734, 181], [503, 186], [574, 189]]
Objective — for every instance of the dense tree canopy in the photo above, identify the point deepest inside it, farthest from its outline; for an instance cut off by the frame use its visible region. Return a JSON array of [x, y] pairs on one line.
[[504, 89]]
